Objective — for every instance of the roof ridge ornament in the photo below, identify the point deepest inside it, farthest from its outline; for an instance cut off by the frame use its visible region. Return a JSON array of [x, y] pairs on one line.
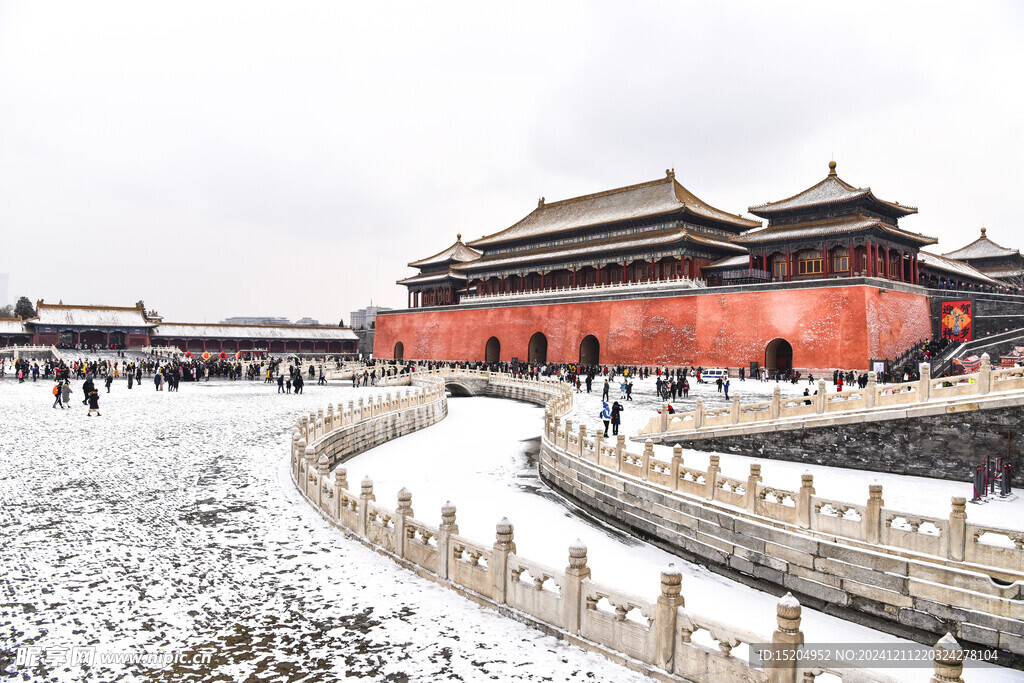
[[458, 237], [983, 232], [670, 173], [831, 168], [540, 203]]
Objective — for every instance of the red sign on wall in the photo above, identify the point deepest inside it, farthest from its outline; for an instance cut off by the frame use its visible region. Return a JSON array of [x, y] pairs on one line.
[[957, 322]]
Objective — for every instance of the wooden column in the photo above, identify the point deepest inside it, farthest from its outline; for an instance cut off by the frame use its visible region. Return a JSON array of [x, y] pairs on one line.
[[824, 261], [542, 280], [888, 264], [849, 261], [750, 266], [599, 282], [789, 265], [625, 273], [574, 271]]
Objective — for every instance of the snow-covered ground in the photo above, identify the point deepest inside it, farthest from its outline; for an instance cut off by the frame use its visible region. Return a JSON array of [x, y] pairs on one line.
[[170, 523], [918, 495]]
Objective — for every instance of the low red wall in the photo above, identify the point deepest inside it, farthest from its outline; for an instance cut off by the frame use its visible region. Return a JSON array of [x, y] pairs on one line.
[[828, 327]]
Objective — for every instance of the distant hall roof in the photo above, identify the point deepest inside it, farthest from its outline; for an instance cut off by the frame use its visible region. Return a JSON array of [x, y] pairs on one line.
[[831, 190], [982, 247], [89, 316], [652, 198]]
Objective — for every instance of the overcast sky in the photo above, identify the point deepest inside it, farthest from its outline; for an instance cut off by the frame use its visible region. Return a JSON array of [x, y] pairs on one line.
[[249, 158]]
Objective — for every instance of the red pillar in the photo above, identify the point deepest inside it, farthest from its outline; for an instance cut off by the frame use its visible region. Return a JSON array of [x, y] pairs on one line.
[[869, 255], [789, 265], [849, 260], [650, 271], [625, 273], [750, 266], [888, 264], [542, 280], [599, 281], [574, 271], [824, 260]]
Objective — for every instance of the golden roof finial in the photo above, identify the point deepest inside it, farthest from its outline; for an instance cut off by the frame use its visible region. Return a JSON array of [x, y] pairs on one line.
[[831, 168], [983, 232], [458, 237]]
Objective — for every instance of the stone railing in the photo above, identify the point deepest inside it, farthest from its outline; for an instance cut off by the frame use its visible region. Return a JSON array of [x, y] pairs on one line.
[[659, 637], [874, 396]]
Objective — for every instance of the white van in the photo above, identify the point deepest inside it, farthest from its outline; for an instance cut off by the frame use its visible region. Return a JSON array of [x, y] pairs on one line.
[[712, 374]]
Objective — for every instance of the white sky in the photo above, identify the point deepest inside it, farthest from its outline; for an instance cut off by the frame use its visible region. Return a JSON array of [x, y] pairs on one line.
[[251, 158]]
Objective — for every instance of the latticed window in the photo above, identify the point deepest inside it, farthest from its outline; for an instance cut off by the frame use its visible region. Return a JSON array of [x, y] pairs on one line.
[[779, 268], [809, 263], [840, 261]]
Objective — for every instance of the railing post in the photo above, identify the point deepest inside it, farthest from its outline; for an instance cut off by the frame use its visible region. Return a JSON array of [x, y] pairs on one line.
[[776, 403], [821, 400], [572, 601], [503, 545], [583, 439], [803, 500], [734, 410], [444, 533], [873, 514], [985, 375], [365, 496], [296, 450], [340, 485], [872, 392], [323, 468], [711, 477], [403, 511], [958, 529], [568, 432], [598, 438], [924, 387], [669, 602], [310, 458], [620, 447], [786, 640], [677, 462], [664, 416], [646, 463], [948, 662], [750, 497], [698, 414]]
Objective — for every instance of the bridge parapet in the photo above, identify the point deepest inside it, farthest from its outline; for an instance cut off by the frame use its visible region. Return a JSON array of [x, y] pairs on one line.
[[659, 637]]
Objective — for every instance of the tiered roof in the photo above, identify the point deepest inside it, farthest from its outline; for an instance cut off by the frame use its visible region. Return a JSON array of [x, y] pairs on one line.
[[9, 326], [89, 316], [830, 191], [829, 226], [954, 267], [982, 248], [654, 198], [596, 247], [457, 253]]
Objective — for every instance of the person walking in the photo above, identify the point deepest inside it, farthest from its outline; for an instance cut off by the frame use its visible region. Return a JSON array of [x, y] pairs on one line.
[[65, 392], [616, 418], [686, 388], [604, 392], [56, 396], [94, 403], [725, 387], [629, 392], [298, 383], [280, 384], [110, 380], [131, 378], [606, 416]]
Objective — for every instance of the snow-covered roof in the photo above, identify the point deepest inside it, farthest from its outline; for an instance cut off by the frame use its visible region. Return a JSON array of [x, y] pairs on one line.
[[831, 190], [982, 247], [10, 326], [299, 332], [625, 203], [88, 316], [425, 278], [741, 260], [828, 226], [457, 252], [958, 268], [658, 238]]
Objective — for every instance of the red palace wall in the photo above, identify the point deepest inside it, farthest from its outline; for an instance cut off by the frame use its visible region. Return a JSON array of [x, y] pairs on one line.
[[828, 327]]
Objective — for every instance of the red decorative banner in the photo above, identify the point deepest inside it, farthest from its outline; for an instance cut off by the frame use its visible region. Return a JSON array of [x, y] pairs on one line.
[[957, 320]]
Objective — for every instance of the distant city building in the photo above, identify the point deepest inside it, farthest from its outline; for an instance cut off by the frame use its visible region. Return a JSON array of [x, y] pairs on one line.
[[307, 321], [255, 320], [366, 317]]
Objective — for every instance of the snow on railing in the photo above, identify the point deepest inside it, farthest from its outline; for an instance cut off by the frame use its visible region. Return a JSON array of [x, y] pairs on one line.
[[873, 396], [683, 282], [663, 634]]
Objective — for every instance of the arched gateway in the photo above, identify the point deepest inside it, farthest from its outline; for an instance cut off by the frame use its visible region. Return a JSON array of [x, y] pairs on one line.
[[590, 350], [399, 351], [538, 350], [492, 352], [778, 355]]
